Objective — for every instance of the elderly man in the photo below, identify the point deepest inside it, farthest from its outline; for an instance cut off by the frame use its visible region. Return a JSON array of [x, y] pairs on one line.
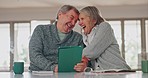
[[45, 40]]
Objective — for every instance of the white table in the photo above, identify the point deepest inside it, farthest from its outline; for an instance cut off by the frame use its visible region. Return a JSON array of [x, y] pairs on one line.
[[138, 74]]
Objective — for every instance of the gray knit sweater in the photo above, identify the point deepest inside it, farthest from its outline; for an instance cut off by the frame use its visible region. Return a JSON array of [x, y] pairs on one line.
[[43, 46], [104, 49]]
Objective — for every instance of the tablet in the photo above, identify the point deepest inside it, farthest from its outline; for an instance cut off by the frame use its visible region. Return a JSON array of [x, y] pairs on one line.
[[68, 57]]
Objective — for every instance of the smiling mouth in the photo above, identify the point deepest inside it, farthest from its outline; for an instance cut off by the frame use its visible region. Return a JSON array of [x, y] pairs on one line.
[[69, 26], [83, 27]]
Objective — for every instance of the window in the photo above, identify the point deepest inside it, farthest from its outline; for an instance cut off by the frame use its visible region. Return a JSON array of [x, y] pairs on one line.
[[128, 35], [127, 32], [146, 27], [22, 34], [4, 46], [132, 42], [21, 41], [116, 25], [35, 23]]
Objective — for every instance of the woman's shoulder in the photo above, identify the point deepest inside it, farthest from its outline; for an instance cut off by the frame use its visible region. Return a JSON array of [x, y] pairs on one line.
[[105, 23]]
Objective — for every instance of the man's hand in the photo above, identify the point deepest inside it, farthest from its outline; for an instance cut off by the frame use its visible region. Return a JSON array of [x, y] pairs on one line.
[[56, 69]]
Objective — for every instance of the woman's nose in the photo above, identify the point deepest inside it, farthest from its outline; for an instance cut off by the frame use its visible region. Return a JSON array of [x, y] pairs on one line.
[[80, 23]]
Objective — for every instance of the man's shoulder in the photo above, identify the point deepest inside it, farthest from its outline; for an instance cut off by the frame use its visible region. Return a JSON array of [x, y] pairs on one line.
[[44, 26], [76, 33]]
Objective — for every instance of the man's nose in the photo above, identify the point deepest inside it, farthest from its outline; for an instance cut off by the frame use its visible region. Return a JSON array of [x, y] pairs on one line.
[[73, 22]]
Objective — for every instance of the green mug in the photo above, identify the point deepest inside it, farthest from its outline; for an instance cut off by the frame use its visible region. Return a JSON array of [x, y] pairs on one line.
[[18, 67], [144, 66]]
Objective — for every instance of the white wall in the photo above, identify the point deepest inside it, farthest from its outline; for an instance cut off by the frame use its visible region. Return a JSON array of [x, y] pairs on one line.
[[26, 14], [125, 11], [50, 13]]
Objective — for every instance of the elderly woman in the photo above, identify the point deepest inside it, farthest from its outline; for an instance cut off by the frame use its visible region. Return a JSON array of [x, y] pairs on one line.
[[102, 48]]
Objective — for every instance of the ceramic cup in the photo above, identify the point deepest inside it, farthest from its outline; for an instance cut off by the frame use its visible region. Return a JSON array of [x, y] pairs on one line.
[[144, 66], [18, 67]]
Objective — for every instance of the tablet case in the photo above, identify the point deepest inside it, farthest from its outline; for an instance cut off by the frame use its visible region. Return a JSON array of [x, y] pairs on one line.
[[68, 57]]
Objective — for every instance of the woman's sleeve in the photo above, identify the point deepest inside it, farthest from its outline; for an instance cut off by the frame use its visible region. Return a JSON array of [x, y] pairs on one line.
[[102, 40]]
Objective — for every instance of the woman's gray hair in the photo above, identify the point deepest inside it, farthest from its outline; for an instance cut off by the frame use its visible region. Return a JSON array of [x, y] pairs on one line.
[[67, 8], [93, 13]]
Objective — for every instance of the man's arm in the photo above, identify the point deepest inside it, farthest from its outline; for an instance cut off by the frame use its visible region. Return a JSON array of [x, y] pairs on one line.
[[36, 51]]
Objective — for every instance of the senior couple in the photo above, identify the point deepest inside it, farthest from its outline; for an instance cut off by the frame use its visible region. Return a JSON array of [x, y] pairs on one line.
[[101, 47]]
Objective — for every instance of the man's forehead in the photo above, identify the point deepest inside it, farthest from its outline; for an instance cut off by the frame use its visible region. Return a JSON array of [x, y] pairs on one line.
[[72, 12]]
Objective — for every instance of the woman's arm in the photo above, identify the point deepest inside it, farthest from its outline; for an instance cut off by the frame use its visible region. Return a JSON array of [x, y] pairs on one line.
[[103, 38]]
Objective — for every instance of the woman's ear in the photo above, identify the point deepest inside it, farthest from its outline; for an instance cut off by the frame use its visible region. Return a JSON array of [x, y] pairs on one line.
[[94, 22]]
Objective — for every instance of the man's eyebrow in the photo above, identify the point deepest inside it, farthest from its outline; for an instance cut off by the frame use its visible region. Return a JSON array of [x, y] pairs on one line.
[[72, 16]]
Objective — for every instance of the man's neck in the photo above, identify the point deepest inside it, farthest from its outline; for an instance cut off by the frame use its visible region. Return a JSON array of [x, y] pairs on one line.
[[59, 27]]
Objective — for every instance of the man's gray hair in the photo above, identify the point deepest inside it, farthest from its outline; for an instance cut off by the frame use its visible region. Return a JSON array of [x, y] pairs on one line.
[[67, 8]]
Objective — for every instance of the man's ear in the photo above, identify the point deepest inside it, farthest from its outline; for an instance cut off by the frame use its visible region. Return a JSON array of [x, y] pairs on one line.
[[59, 14]]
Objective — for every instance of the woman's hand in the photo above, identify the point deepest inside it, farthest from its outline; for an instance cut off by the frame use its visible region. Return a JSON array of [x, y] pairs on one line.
[[81, 66]]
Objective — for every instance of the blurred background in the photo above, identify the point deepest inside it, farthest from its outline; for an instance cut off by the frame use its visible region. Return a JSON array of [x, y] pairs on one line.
[[18, 18]]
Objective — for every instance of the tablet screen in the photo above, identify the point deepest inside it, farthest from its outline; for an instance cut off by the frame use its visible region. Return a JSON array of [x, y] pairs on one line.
[[68, 57]]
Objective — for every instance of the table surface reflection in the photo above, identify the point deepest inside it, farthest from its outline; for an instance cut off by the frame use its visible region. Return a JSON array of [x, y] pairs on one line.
[[138, 74]]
